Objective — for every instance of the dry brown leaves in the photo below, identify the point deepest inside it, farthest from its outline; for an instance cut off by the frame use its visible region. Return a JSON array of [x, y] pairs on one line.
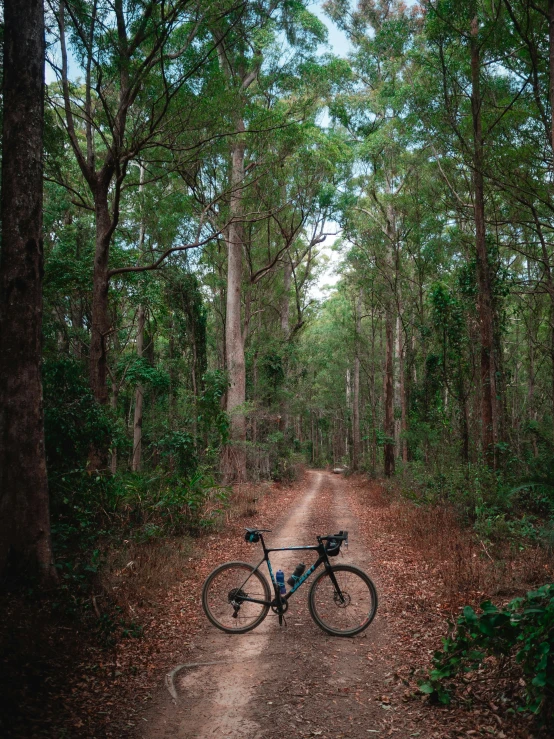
[[59, 681], [428, 569]]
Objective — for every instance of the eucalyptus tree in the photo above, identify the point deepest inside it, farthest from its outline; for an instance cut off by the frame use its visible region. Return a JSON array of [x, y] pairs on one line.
[[271, 84], [376, 113], [470, 49], [136, 59], [527, 182], [24, 502]]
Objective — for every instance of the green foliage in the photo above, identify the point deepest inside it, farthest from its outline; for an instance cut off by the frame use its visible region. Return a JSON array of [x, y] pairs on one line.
[[212, 419], [87, 509], [73, 421], [521, 632], [141, 371], [177, 449]]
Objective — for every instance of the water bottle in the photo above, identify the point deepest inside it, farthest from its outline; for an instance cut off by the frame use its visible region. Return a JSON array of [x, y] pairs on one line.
[[280, 577], [297, 574]]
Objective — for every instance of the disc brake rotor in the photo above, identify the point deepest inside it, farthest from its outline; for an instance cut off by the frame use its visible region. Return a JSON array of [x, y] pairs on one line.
[[344, 602]]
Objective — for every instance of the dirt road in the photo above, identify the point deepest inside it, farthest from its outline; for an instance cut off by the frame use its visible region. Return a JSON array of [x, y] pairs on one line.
[[296, 682], [292, 681]]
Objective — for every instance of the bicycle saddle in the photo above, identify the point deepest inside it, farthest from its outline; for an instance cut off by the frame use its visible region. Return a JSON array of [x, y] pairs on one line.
[[252, 536]]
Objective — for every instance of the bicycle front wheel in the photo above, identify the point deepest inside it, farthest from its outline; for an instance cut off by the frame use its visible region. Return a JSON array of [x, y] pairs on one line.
[[224, 594], [349, 611]]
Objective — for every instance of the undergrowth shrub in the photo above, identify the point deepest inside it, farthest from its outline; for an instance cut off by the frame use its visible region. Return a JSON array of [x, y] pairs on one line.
[[135, 572], [521, 633], [135, 506], [436, 531], [73, 421], [464, 562], [486, 500]]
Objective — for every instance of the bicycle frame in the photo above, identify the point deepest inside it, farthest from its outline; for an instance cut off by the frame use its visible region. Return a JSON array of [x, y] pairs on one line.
[[322, 559]]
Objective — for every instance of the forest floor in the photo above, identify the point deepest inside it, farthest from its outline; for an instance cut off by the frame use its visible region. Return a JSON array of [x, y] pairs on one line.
[[296, 681], [292, 681]]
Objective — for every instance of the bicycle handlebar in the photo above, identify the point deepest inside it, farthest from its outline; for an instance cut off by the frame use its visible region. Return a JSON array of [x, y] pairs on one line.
[[341, 536]]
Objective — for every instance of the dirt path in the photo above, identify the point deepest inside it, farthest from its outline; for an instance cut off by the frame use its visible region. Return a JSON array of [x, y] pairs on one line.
[[296, 682], [292, 681]]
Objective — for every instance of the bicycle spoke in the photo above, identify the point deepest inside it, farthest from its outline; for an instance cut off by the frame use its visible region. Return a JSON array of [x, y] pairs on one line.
[[348, 609], [225, 594]]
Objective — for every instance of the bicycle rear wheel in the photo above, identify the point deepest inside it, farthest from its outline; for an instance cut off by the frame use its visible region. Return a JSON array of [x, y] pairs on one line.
[[223, 597], [346, 615]]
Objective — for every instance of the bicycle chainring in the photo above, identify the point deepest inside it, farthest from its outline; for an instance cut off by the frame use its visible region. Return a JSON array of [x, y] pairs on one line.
[[284, 607]]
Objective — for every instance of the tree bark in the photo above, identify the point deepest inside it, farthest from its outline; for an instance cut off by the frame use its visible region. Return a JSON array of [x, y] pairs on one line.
[[356, 435], [136, 463], [139, 397], [389, 391], [235, 454], [489, 418], [114, 399], [551, 96], [100, 321], [24, 511], [98, 364], [398, 389], [389, 349], [285, 329], [285, 301], [403, 398], [551, 67]]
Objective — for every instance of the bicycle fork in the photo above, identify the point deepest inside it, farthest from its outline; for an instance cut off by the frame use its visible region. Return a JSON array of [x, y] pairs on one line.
[[338, 591]]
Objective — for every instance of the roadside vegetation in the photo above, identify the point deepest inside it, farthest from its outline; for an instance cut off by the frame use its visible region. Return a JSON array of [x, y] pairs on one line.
[[167, 345]]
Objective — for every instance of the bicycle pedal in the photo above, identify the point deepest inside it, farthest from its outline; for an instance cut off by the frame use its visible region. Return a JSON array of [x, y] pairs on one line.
[[282, 620]]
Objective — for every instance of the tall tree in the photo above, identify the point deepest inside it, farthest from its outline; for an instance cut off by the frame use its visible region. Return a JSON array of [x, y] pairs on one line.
[[120, 111], [24, 511]]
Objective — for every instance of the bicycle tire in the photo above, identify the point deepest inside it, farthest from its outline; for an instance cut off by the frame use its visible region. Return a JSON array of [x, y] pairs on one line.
[[209, 603], [336, 607]]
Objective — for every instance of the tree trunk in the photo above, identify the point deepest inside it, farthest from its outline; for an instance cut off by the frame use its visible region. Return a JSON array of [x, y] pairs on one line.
[[285, 301], [100, 322], [114, 398], [389, 350], [372, 397], [356, 435], [531, 385], [98, 364], [139, 397], [489, 418], [551, 96], [285, 328], [398, 390], [24, 512], [551, 67], [389, 392], [403, 399], [235, 453]]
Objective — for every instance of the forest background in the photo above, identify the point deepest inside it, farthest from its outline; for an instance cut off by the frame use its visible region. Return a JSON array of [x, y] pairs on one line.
[[197, 161]]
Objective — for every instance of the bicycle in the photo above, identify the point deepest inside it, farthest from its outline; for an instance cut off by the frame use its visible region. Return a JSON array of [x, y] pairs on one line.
[[236, 596]]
